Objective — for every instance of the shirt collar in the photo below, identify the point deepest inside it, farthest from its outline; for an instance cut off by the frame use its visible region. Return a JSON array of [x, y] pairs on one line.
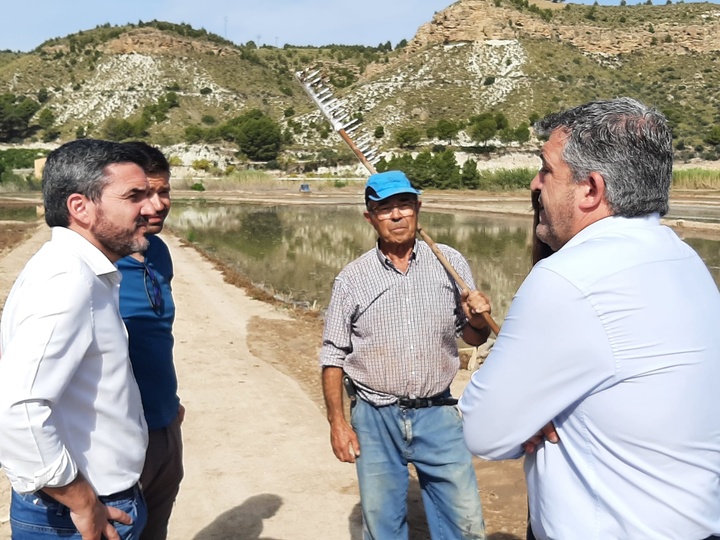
[[76, 243], [387, 262], [610, 224]]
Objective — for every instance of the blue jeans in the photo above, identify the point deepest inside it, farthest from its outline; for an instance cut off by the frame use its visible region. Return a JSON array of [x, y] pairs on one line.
[[33, 518], [431, 439]]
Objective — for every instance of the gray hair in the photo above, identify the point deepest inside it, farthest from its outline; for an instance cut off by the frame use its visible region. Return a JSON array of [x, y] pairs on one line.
[[80, 167], [628, 143]]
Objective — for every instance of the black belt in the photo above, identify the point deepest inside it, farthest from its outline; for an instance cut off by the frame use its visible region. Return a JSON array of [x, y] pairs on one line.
[[128, 493], [421, 403]]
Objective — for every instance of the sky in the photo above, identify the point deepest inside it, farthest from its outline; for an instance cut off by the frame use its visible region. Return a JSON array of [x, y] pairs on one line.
[[28, 23]]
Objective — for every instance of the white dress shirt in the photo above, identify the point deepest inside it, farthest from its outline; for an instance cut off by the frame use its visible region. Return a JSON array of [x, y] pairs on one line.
[[616, 339], [68, 398]]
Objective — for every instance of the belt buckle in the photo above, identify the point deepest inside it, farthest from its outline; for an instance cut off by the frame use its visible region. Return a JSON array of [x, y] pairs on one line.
[[407, 402]]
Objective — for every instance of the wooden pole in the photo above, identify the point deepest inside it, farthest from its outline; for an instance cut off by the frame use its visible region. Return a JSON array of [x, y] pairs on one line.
[[345, 137], [460, 281]]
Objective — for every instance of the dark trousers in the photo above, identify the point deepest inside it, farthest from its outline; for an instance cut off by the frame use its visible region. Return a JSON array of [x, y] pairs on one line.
[[161, 478]]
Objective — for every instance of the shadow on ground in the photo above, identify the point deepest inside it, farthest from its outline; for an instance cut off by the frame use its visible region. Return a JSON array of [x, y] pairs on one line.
[[244, 522]]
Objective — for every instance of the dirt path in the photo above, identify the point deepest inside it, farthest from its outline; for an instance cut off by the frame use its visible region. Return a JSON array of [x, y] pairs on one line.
[[257, 456]]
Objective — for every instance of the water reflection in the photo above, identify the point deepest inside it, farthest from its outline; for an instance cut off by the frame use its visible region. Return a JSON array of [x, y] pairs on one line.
[[297, 251]]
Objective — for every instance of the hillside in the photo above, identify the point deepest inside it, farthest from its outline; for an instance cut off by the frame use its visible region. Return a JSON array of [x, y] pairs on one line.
[[477, 56]]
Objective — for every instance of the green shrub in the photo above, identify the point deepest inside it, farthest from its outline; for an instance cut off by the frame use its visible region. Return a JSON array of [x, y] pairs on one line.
[[20, 158], [201, 165]]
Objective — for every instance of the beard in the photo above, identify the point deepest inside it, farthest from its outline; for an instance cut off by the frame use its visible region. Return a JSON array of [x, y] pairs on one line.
[[556, 230], [115, 239]]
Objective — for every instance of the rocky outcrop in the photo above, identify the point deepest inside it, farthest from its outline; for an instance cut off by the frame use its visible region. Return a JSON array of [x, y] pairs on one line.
[[478, 20], [148, 40]]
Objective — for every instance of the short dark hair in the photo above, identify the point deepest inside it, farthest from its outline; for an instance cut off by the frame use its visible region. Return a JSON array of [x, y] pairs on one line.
[[155, 163], [627, 142], [80, 167]]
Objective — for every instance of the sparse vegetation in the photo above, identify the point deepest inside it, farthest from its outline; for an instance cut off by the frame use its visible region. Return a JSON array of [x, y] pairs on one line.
[[696, 179], [412, 101]]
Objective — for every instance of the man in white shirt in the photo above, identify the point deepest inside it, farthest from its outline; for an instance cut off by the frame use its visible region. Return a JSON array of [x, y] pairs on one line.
[[72, 431], [613, 340]]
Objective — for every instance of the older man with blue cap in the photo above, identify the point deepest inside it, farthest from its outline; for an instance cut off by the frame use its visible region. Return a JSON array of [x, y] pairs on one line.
[[390, 337]]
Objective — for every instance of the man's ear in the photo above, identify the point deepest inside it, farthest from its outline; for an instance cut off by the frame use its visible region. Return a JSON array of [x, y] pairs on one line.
[[592, 192], [366, 213], [78, 207]]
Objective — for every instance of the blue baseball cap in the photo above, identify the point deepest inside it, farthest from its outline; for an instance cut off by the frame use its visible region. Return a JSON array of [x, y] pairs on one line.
[[386, 184]]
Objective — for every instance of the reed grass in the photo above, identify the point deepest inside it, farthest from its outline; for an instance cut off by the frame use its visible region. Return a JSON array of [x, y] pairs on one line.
[[696, 179], [505, 179]]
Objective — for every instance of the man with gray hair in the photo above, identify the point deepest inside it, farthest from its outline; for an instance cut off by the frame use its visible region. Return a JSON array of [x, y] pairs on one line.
[[72, 431], [609, 400]]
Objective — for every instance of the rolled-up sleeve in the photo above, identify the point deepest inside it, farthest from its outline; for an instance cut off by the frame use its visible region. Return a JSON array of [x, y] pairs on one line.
[[45, 338]]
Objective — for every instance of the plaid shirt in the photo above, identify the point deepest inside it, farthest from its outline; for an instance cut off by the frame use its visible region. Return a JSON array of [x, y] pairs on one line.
[[395, 334]]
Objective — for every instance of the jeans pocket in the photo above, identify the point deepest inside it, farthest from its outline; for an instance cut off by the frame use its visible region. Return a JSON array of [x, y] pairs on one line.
[[137, 510]]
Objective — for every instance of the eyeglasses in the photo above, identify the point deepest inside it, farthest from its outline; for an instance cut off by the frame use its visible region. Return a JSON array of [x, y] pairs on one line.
[[154, 293], [385, 211]]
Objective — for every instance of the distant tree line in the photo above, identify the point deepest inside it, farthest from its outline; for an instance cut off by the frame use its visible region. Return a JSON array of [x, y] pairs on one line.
[[440, 170], [103, 33], [480, 128]]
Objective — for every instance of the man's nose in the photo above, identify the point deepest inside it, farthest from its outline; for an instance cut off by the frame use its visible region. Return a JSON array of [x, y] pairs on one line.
[[535, 183], [148, 207], [156, 202]]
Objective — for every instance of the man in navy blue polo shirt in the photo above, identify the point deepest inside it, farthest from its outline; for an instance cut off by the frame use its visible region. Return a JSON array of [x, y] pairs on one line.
[[147, 307]]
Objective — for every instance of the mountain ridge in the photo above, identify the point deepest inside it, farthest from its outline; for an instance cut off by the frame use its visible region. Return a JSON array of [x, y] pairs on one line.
[[477, 56]]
